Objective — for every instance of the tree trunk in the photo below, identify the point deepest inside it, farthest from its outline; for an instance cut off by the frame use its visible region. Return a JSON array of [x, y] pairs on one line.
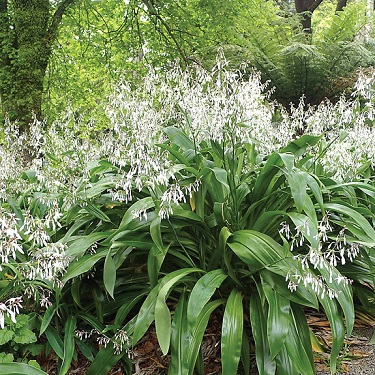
[[306, 8], [341, 4], [28, 29]]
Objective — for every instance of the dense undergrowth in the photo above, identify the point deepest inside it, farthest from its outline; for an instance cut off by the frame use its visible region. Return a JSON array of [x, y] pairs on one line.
[[201, 196]]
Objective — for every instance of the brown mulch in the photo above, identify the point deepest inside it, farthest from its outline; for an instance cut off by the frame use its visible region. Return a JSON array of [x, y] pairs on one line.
[[358, 355]]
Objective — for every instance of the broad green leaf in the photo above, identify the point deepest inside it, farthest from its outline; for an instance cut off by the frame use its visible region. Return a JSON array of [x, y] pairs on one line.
[[142, 204], [278, 320], [298, 146], [162, 314], [19, 369], [92, 320], [201, 294], [155, 231], [47, 317], [97, 212], [195, 338], [154, 262], [98, 188], [82, 265], [231, 335], [179, 340], [104, 361], [303, 330], [179, 138], [69, 349], [127, 306], [260, 251], [6, 358], [344, 293], [5, 335], [284, 363], [85, 350], [352, 216], [25, 336], [298, 187], [55, 341], [163, 324], [266, 365], [245, 353], [78, 223], [337, 327], [288, 160], [297, 351], [146, 313], [303, 296], [79, 245], [157, 253], [268, 172], [109, 274], [178, 155]]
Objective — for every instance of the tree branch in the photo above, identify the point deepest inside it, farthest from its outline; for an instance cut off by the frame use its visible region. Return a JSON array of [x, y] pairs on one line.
[[56, 20], [314, 5], [341, 4]]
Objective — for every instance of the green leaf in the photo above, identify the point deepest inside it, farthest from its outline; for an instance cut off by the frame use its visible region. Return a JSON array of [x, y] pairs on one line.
[[179, 138], [278, 320], [146, 313], [179, 340], [260, 251], [19, 369], [344, 293], [104, 361], [85, 350], [337, 327], [55, 341], [96, 212], [47, 317], [98, 188], [266, 365], [34, 363], [298, 147], [195, 338], [163, 324], [201, 294], [69, 347], [24, 336], [78, 246], [245, 353], [354, 217], [303, 296], [231, 335], [298, 348], [142, 204], [109, 274], [5, 335], [82, 265], [162, 314], [6, 358]]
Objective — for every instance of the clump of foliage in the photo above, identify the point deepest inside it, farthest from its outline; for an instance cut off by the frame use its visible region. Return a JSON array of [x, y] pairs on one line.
[[200, 197]]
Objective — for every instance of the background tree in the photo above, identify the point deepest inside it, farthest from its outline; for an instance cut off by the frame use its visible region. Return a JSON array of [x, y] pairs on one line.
[[28, 29]]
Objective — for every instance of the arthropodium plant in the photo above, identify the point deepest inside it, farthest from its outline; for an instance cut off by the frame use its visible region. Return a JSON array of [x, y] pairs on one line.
[[199, 180], [212, 201]]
